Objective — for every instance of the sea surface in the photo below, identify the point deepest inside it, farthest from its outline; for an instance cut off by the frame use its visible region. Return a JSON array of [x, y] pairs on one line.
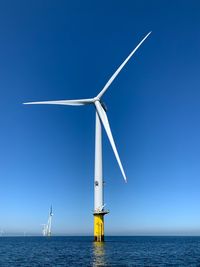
[[116, 251]]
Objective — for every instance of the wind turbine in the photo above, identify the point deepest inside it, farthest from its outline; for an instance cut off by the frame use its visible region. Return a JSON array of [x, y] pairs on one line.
[[46, 231], [101, 119]]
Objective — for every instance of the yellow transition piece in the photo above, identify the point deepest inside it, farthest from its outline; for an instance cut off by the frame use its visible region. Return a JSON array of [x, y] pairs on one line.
[[99, 227]]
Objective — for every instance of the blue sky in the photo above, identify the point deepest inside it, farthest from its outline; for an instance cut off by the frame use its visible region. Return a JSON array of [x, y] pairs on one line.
[[69, 49]]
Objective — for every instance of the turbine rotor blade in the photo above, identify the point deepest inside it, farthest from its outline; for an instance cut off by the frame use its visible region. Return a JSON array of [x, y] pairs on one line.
[[105, 122], [77, 102], [120, 68]]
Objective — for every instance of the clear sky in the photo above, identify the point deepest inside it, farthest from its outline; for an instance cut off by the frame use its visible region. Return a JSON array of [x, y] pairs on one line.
[[51, 50]]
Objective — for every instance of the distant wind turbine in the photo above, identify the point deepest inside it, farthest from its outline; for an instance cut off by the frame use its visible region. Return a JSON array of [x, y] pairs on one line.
[[47, 227], [101, 119]]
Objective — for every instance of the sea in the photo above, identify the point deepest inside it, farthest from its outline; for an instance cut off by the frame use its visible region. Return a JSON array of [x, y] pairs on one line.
[[115, 251]]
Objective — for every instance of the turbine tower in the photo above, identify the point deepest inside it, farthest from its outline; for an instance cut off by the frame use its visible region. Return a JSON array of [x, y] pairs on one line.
[[101, 119], [46, 231]]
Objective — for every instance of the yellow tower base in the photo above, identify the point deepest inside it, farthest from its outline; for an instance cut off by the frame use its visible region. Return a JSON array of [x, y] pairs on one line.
[[99, 226]]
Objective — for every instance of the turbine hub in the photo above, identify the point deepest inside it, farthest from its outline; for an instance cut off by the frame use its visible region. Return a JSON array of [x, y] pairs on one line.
[[96, 99]]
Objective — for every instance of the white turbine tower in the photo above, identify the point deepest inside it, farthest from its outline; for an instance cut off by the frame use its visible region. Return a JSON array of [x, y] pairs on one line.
[[44, 229], [101, 119]]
